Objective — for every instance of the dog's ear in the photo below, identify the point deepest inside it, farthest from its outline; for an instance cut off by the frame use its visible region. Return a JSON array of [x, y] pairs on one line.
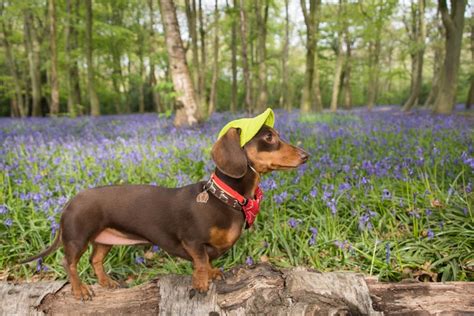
[[229, 157]]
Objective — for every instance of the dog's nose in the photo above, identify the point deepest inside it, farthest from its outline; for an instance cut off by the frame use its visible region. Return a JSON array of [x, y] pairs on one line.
[[304, 156]]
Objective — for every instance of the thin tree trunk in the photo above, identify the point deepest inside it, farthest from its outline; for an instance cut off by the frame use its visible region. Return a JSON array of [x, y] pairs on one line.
[[32, 49], [74, 89], [346, 82], [262, 18], [187, 107], [339, 63], [157, 104], [54, 59], [453, 23], [202, 64], [470, 96], [245, 61], [417, 75], [93, 99], [215, 72], [311, 96], [21, 108], [284, 93], [190, 8], [374, 70], [233, 105]]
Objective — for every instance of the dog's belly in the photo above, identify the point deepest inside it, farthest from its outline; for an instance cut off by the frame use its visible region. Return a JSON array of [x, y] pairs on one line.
[[110, 236]]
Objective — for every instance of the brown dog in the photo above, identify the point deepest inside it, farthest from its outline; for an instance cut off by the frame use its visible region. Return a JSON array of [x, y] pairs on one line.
[[186, 222]]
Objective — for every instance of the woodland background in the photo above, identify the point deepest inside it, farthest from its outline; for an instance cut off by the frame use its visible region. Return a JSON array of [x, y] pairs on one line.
[[72, 57]]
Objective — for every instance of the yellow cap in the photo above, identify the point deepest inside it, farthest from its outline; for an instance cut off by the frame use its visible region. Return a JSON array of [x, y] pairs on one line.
[[250, 126]]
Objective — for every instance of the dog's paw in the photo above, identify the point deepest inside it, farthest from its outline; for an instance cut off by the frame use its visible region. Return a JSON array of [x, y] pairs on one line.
[[215, 274], [109, 283], [83, 292], [201, 283]]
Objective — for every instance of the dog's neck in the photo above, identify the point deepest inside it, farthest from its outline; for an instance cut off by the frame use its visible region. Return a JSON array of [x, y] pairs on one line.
[[245, 185]]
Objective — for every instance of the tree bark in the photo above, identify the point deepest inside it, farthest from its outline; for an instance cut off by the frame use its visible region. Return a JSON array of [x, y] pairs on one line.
[[32, 49], [437, 66], [245, 61], [374, 70], [187, 107], [54, 59], [417, 69], [157, 104], [233, 104], [21, 108], [190, 8], [215, 71], [346, 82], [74, 88], [202, 95], [262, 18], [260, 289], [339, 63], [470, 96], [311, 96], [453, 23], [93, 99], [284, 93]]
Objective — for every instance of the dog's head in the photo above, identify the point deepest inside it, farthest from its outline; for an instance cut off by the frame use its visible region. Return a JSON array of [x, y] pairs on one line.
[[265, 152]]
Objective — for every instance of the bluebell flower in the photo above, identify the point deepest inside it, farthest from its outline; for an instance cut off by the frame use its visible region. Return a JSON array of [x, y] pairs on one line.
[[249, 261], [387, 253], [8, 222], [430, 234], [428, 212], [3, 209], [139, 260], [155, 248], [293, 223]]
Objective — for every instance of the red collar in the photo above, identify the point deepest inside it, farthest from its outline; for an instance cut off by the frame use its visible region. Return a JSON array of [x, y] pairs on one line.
[[250, 207]]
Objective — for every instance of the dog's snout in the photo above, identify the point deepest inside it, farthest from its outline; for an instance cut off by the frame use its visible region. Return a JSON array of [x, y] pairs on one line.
[[304, 156]]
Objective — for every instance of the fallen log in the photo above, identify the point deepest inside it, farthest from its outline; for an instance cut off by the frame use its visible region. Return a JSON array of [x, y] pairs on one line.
[[261, 289]]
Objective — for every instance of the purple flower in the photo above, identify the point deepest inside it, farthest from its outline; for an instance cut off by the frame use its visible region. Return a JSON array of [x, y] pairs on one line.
[[155, 248], [314, 234], [428, 212], [3, 209], [293, 223], [430, 234], [313, 193], [386, 195], [249, 261], [387, 253], [8, 222], [139, 260], [344, 187]]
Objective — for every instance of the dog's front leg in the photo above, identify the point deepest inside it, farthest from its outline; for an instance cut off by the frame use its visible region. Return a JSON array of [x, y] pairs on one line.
[[200, 264]]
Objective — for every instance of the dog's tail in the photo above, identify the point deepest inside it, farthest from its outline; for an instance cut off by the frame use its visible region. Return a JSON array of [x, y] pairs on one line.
[[55, 245]]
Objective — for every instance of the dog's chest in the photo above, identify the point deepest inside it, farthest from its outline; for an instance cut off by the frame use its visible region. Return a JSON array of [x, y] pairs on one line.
[[223, 238]]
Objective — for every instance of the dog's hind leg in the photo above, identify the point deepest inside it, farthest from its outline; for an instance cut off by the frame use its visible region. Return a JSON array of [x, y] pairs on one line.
[[73, 252], [99, 252]]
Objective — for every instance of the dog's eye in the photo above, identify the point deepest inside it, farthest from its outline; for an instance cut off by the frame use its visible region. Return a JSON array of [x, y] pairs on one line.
[[269, 137]]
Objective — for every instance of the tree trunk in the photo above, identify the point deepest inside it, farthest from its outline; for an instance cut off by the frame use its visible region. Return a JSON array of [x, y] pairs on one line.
[[233, 104], [453, 23], [21, 108], [262, 18], [187, 107], [93, 99], [74, 88], [346, 82], [190, 9], [32, 49], [417, 70], [202, 95], [260, 289], [339, 63], [470, 96], [215, 71], [245, 61], [157, 104], [311, 96], [374, 70], [54, 59], [284, 93]]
